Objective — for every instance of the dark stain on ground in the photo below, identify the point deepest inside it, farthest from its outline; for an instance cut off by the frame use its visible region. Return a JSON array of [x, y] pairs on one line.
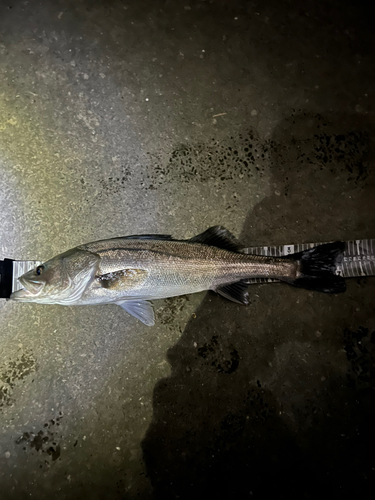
[[313, 184], [349, 150], [116, 183], [45, 441], [277, 399], [13, 373], [237, 157], [169, 311], [346, 154], [224, 358], [244, 156]]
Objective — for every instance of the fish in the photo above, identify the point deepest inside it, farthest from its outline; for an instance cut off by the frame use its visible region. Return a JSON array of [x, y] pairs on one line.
[[132, 271]]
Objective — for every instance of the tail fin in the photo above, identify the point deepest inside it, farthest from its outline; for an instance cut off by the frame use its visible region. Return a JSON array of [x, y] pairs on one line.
[[318, 267]]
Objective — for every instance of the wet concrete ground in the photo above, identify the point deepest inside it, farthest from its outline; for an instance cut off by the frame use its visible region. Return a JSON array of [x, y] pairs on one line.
[[136, 117]]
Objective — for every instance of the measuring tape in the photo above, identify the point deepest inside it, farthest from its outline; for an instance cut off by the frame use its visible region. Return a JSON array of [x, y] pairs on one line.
[[358, 258], [358, 261]]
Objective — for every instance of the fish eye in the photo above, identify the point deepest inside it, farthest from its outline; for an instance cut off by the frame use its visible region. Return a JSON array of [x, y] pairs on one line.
[[39, 270]]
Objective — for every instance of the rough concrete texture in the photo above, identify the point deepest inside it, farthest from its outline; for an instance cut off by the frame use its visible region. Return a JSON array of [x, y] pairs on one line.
[[157, 116]]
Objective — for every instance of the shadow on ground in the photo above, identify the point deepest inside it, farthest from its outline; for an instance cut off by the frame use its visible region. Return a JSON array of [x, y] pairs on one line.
[[278, 398]]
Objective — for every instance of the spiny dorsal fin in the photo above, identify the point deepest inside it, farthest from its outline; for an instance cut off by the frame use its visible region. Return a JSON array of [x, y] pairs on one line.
[[146, 237], [218, 236], [236, 292]]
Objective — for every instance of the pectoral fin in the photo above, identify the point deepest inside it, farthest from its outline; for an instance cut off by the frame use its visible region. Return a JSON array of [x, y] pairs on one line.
[[140, 309], [124, 279]]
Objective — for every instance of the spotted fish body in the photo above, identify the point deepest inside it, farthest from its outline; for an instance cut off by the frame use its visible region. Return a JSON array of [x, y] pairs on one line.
[[130, 271]]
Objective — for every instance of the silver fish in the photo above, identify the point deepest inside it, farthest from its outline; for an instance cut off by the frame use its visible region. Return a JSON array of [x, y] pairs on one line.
[[133, 270]]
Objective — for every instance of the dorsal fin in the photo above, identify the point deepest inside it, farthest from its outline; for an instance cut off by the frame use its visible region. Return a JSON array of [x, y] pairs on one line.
[[218, 236], [146, 237]]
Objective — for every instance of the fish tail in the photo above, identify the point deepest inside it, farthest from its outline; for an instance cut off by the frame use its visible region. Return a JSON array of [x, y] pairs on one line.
[[316, 269]]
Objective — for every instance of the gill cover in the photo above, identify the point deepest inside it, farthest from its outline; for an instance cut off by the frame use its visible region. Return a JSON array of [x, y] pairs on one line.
[[80, 267]]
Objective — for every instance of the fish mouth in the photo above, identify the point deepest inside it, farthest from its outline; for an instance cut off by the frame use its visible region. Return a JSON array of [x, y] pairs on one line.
[[31, 289], [22, 295]]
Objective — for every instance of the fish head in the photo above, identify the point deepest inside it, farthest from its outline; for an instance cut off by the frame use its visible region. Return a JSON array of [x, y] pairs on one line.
[[61, 279]]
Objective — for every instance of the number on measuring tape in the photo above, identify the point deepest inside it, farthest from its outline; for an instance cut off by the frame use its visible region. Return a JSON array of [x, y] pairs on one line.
[[288, 249]]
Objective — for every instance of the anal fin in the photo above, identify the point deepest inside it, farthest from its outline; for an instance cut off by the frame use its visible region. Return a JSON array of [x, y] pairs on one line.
[[236, 292]]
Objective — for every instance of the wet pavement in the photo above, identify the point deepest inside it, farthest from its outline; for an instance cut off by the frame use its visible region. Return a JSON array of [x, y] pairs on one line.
[[143, 117]]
